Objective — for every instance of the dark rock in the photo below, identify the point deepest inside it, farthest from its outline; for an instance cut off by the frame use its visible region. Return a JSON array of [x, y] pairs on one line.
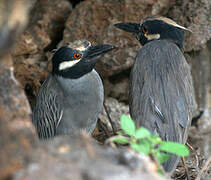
[[100, 15], [45, 25], [115, 110], [31, 76], [17, 135], [201, 136], [43, 32], [80, 158], [13, 18], [98, 28], [94, 20], [196, 16], [200, 62], [117, 86], [120, 90]]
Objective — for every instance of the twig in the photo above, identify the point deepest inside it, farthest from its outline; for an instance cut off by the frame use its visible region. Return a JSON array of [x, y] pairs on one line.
[[159, 166], [185, 167], [195, 154], [204, 168], [103, 128], [110, 140], [109, 118]]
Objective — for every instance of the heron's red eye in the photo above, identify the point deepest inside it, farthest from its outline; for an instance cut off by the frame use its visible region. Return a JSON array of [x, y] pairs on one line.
[[77, 56], [144, 30]]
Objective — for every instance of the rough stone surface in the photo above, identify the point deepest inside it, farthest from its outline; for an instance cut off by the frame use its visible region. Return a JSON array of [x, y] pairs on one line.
[[120, 90], [196, 16], [47, 22], [17, 135], [98, 27], [13, 19], [103, 14], [80, 158], [66, 158], [47, 19], [31, 76], [200, 62], [117, 86], [43, 32], [115, 110]]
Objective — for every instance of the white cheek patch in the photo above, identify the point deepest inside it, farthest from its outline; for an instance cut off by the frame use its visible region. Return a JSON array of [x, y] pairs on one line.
[[67, 64], [152, 36]]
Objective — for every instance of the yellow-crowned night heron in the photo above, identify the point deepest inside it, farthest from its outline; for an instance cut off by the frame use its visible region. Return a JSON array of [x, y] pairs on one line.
[[161, 96], [72, 96]]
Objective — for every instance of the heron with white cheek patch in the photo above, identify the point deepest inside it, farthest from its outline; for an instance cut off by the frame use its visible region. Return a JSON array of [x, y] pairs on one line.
[[71, 98]]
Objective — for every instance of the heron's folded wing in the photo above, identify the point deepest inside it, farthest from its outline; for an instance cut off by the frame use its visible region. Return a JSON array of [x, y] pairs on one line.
[[48, 112]]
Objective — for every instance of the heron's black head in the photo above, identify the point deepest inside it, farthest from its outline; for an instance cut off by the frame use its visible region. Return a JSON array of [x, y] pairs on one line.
[[155, 27], [77, 59]]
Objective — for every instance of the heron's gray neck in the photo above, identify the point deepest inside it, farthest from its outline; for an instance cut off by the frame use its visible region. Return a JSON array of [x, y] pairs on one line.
[[80, 84]]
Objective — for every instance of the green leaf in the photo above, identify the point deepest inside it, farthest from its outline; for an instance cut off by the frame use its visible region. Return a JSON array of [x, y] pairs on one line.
[[161, 157], [155, 136], [127, 125], [142, 147], [160, 172], [174, 148], [120, 132], [156, 140], [120, 140], [142, 133]]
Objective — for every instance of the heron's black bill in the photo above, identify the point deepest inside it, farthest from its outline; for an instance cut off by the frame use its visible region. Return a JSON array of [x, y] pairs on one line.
[[129, 27], [94, 51]]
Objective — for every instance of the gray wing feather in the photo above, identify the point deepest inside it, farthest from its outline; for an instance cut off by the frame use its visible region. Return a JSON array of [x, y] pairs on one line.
[[47, 112], [161, 90], [161, 93]]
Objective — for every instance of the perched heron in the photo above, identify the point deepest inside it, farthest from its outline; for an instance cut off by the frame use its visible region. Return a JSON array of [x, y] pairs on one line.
[[161, 96], [71, 98]]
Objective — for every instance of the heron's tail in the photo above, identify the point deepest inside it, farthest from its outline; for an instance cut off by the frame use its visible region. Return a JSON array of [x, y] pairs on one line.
[[170, 165]]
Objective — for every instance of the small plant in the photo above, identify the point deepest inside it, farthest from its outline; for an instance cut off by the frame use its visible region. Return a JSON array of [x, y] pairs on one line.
[[143, 141]]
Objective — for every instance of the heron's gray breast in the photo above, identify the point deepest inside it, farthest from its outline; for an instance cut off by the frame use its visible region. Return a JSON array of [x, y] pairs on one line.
[[83, 100]]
